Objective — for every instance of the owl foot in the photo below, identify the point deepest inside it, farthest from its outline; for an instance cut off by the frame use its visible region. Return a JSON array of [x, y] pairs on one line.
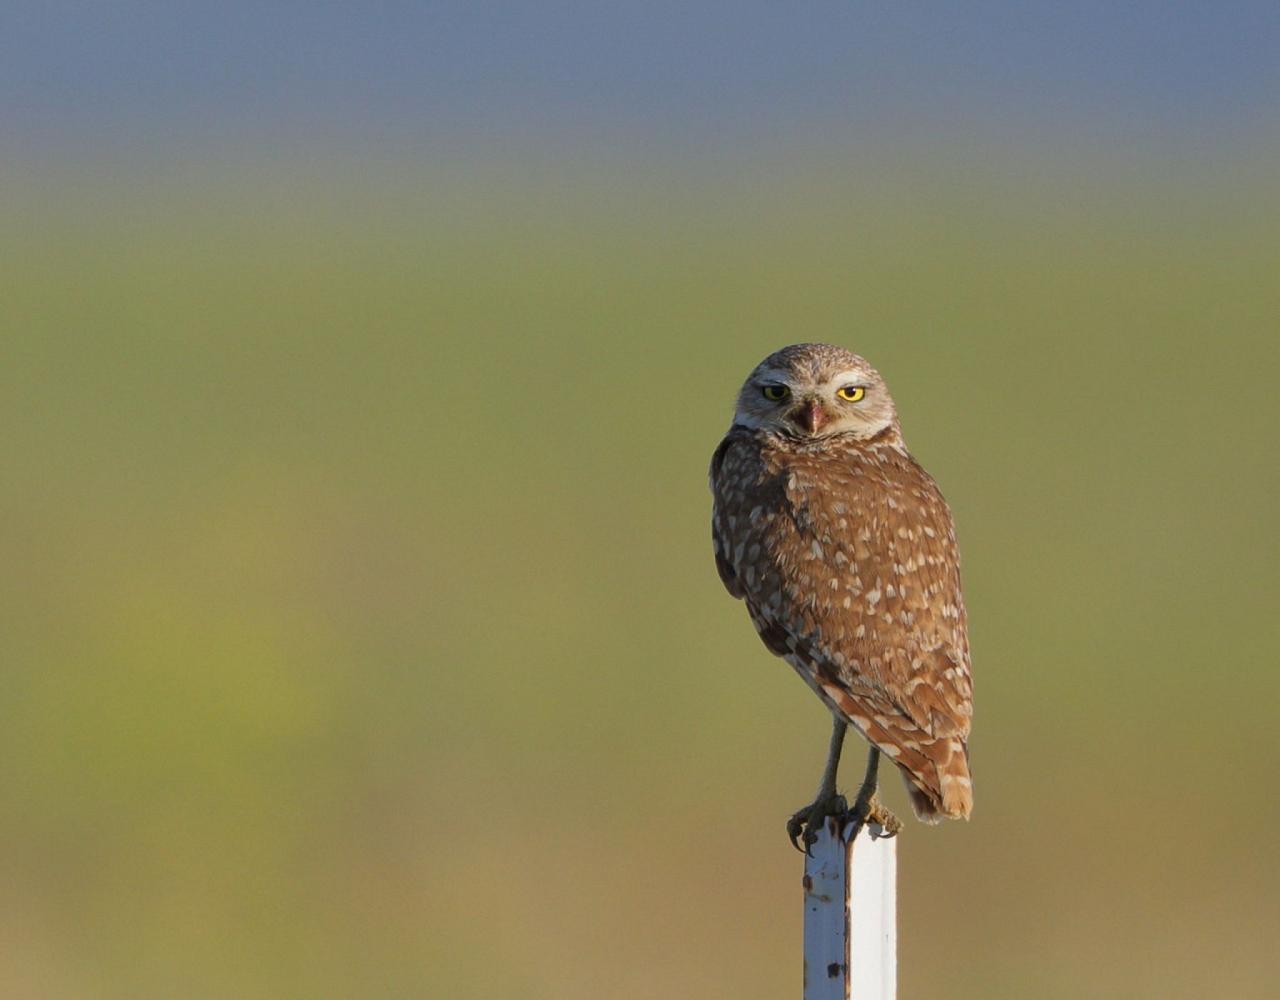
[[870, 810], [804, 824]]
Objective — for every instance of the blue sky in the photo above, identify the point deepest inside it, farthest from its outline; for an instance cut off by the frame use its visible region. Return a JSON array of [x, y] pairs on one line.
[[658, 70]]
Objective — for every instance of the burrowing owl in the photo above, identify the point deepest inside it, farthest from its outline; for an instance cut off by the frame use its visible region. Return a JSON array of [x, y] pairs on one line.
[[844, 552]]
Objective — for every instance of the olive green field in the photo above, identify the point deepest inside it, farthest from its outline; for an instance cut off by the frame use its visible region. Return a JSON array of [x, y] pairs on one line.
[[362, 637]]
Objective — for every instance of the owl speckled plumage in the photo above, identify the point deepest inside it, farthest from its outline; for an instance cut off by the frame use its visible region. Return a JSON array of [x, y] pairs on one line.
[[844, 552]]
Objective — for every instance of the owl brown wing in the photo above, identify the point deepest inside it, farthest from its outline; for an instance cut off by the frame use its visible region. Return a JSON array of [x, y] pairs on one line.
[[888, 608]]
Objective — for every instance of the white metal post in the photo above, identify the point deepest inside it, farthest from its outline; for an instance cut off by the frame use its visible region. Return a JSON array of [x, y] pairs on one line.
[[850, 914]]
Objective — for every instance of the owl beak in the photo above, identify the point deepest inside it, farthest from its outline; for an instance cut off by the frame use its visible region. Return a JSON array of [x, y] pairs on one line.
[[811, 416]]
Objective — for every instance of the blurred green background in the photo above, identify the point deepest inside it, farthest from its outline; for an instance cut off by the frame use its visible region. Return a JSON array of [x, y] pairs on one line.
[[361, 636]]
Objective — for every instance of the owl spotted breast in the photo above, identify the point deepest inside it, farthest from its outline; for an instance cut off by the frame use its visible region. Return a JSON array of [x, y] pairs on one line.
[[843, 550]]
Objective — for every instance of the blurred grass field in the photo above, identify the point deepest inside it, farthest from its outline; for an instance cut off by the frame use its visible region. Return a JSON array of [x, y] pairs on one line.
[[361, 633]]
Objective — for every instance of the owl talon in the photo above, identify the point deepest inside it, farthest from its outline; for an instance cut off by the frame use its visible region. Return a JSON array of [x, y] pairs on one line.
[[872, 810], [804, 824]]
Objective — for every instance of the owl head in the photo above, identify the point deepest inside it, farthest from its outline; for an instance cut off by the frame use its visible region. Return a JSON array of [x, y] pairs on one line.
[[816, 391]]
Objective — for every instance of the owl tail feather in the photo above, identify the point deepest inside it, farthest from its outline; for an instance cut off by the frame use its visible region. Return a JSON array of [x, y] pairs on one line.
[[949, 795]]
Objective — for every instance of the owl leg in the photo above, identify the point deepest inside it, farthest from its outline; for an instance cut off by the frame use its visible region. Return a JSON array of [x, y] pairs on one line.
[[805, 823], [867, 808]]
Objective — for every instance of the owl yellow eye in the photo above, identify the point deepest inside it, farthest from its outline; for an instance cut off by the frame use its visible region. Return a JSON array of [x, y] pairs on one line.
[[851, 393], [775, 392]]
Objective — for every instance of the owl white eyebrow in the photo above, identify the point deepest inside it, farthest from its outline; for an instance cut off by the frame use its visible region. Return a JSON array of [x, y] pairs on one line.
[[773, 375], [851, 377]]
